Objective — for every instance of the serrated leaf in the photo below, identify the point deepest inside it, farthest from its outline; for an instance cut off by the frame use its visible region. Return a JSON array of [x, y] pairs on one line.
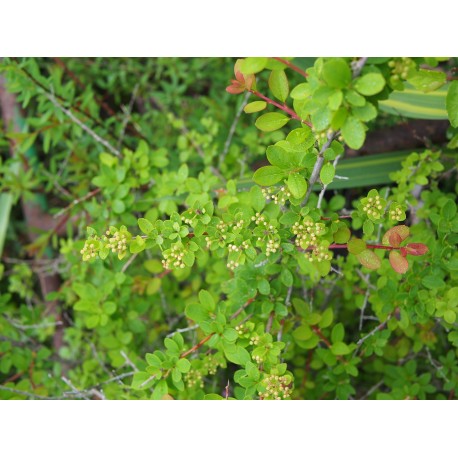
[[327, 173], [254, 107], [268, 175], [271, 121], [369, 259], [353, 132], [278, 84], [398, 262], [297, 185], [370, 84]]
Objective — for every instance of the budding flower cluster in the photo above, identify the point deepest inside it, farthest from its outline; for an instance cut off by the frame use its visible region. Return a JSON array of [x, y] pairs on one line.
[[232, 265], [254, 340], [397, 214], [117, 243], [321, 135], [279, 198], [174, 257], [193, 378], [234, 248], [277, 387], [319, 253], [259, 220], [373, 205], [239, 224], [272, 247], [211, 365], [307, 232], [242, 329], [400, 67], [90, 249]]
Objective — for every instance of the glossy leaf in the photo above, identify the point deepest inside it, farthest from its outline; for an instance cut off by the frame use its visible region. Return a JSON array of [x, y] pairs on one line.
[[278, 84], [271, 121]]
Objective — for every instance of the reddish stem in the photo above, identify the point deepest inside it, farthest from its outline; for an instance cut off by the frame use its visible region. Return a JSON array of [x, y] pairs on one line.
[[336, 246], [197, 346], [283, 107], [291, 66]]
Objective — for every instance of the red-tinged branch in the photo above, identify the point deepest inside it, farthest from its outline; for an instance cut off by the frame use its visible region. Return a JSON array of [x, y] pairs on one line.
[[322, 337], [336, 246], [282, 107], [242, 308], [197, 346], [291, 66]]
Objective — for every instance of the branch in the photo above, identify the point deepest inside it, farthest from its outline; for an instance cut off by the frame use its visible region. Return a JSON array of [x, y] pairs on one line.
[[318, 166], [320, 197], [291, 66], [358, 65], [377, 328], [83, 126], [197, 346], [283, 107]]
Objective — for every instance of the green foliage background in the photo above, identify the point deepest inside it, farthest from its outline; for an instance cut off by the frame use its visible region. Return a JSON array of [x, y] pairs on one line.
[[158, 152]]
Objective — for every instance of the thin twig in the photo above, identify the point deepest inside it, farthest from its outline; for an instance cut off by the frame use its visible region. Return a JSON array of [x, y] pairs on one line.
[[371, 390], [318, 166], [292, 66], [75, 390], [129, 262], [77, 201], [376, 329], [323, 190], [128, 361], [227, 144], [127, 116], [83, 126], [358, 65], [179, 331]]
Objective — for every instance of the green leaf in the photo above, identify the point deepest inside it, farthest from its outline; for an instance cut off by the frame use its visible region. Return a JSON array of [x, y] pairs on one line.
[[340, 348], [370, 84], [278, 84], [369, 259], [338, 333], [327, 173], [230, 335], [206, 299], [448, 210], [282, 158], [236, 354], [254, 107], [271, 121], [197, 313], [432, 282], [297, 185], [427, 80], [118, 206], [365, 113], [268, 175], [183, 365], [139, 381], [303, 332], [253, 64], [353, 132], [145, 226], [337, 73], [286, 277], [356, 246], [450, 316], [342, 235], [452, 103], [368, 227]]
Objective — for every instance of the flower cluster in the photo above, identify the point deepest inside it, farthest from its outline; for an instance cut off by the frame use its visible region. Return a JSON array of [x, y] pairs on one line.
[[400, 68], [90, 249], [234, 248], [193, 378], [396, 212], [279, 198], [117, 243], [232, 265], [319, 253], [373, 205], [189, 215], [173, 258], [307, 232], [277, 387]]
